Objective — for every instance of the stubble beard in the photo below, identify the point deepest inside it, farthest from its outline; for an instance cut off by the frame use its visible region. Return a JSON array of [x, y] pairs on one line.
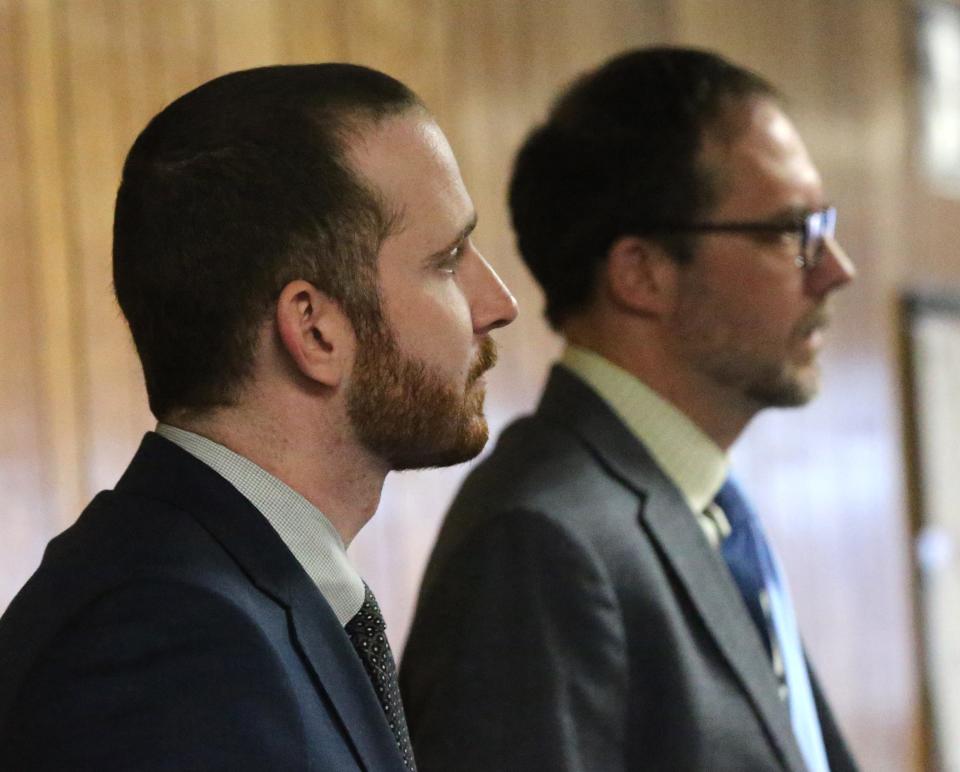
[[784, 387], [408, 414], [731, 359], [795, 381]]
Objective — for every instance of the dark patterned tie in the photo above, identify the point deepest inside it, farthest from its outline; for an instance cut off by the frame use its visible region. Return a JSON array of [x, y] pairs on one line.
[[368, 636]]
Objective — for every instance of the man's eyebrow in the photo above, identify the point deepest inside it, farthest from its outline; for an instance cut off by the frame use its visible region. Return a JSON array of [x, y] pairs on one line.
[[460, 237]]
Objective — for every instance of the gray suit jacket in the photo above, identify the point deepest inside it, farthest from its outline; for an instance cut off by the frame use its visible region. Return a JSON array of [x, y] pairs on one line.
[[574, 617]]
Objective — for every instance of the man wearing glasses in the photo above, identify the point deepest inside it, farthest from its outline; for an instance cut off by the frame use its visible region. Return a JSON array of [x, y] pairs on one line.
[[601, 596]]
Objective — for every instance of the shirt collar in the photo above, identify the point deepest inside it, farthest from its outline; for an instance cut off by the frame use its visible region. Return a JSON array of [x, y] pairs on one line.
[[692, 461], [304, 529]]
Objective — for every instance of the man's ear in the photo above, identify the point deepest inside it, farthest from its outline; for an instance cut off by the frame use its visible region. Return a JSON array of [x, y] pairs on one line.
[[641, 276], [315, 333]]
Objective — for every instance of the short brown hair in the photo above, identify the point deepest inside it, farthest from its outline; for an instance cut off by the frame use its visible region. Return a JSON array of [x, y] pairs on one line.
[[231, 192], [617, 155]]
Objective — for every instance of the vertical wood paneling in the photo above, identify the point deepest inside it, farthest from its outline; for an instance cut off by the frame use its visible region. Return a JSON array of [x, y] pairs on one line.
[[110, 398], [42, 119], [313, 30], [79, 79], [245, 33], [22, 457], [176, 51], [407, 38]]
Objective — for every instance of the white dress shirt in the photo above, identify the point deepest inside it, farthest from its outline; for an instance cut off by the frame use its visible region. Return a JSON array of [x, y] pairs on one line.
[[303, 528]]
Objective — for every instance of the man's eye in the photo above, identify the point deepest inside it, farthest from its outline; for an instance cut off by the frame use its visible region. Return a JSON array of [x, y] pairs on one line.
[[787, 236], [452, 259]]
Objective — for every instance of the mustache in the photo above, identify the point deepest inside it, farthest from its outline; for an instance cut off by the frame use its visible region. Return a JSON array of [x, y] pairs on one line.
[[486, 358], [818, 319]]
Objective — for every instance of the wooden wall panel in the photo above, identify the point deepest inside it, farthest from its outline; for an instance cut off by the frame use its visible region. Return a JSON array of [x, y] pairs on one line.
[[79, 79], [42, 123], [111, 401], [314, 30], [245, 34], [22, 457], [166, 48]]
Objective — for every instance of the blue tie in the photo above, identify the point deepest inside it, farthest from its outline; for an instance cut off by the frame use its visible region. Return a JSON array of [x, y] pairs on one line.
[[755, 569]]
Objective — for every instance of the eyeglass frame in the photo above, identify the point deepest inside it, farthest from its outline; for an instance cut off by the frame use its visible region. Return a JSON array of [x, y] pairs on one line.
[[814, 227]]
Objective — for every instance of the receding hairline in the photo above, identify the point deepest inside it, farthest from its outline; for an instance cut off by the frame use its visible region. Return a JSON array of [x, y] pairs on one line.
[[358, 127], [717, 137]]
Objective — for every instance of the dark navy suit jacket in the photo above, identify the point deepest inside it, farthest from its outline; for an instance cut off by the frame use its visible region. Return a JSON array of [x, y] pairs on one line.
[[171, 629]]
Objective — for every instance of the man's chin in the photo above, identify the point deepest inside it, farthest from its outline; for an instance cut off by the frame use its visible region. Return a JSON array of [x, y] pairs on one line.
[[412, 417], [794, 386], [468, 444]]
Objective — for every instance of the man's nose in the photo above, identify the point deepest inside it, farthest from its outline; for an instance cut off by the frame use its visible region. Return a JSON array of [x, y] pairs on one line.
[[834, 270], [492, 305]]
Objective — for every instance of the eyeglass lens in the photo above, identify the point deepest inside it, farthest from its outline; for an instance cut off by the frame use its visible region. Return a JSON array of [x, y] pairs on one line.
[[818, 226]]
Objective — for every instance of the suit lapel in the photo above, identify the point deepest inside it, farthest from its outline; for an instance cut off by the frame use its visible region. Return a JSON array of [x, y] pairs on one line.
[[838, 753], [717, 600], [346, 683], [243, 532], [673, 527]]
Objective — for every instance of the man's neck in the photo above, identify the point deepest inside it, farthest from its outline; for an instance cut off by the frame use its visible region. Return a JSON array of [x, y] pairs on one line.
[[717, 411], [323, 463]]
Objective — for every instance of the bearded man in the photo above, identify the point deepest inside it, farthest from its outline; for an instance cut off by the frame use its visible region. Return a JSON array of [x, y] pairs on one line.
[[293, 253], [600, 599]]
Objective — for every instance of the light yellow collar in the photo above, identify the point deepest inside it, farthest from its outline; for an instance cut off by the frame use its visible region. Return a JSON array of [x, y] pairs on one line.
[[691, 460]]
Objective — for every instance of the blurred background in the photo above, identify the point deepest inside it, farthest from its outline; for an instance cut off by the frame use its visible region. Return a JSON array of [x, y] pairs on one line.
[[80, 78]]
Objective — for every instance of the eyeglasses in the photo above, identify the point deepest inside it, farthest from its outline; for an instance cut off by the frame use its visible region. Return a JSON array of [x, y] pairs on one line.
[[813, 228]]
